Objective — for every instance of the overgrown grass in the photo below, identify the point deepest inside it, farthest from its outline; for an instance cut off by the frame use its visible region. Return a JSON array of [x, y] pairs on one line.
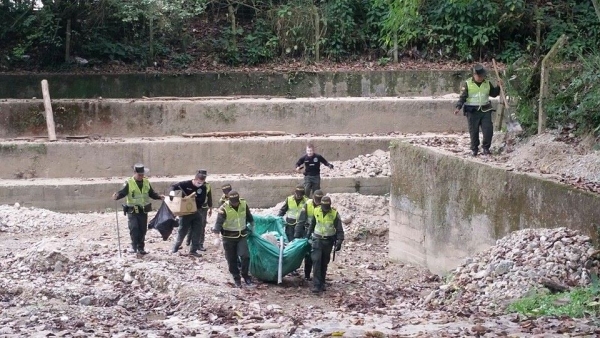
[[577, 303]]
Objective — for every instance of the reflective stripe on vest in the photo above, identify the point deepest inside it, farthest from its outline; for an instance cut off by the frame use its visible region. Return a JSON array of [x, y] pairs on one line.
[[310, 210], [478, 95], [294, 209], [325, 223], [135, 196], [205, 204], [235, 220]]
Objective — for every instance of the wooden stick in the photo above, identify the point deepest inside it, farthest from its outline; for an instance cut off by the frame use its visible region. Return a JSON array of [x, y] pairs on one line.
[[236, 134], [49, 114], [502, 96]]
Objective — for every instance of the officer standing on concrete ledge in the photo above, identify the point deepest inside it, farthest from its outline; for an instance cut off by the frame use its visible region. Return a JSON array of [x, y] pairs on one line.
[[475, 101], [138, 191], [326, 233], [232, 220], [191, 225]]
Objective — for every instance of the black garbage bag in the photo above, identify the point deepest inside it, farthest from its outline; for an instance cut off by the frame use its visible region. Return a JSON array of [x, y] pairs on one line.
[[164, 221]]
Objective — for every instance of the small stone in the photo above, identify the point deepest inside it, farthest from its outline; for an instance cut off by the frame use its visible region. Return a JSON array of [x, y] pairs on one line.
[[503, 267], [127, 277], [86, 300], [17, 205]]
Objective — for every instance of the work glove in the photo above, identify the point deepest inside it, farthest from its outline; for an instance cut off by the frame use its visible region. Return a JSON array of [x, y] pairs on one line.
[[338, 245], [330, 166]]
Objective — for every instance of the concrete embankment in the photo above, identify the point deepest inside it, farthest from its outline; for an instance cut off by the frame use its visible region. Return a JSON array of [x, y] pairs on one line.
[[444, 208], [366, 83], [93, 194], [130, 118], [170, 156]]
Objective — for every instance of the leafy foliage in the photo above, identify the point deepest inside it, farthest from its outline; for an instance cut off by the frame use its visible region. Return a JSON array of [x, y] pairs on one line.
[[578, 303]]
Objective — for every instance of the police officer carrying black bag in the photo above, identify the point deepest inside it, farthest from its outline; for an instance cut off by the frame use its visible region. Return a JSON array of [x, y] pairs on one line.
[[326, 233], [232, 219], [138, 191]]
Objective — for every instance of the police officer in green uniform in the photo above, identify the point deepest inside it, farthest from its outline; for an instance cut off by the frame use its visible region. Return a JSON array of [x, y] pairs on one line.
[[138, 191], [291, 210], [326, 233], [475, 102], [232, 220], [307, 219], [226, 189]]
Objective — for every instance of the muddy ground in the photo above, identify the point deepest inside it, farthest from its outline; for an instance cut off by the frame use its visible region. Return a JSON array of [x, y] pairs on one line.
[[69, 281]]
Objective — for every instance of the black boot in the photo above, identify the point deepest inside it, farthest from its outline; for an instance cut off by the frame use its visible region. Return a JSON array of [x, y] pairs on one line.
[[238, 283], [248, 281]]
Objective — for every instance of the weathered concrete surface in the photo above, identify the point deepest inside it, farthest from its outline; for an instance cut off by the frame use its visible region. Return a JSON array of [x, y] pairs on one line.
[[299, 84], [445, 208], [166, 118], [174, 155], [72, 195]]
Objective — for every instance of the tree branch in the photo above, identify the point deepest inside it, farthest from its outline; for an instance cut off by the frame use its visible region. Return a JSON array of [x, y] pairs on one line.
[[597, 8]]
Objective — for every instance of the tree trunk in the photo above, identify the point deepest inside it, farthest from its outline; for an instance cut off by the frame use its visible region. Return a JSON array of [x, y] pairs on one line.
[[151, 50], [68, 41], [544, 83], [538, 30], [317, 36], [395, 46], [597, 8], [233, 28]]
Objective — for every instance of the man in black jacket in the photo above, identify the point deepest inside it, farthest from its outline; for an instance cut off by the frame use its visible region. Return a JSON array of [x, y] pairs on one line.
[[311, 162], [191, 223]]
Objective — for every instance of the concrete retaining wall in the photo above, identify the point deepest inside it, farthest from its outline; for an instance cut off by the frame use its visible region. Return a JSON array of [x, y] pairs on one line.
[[444, 208], [299, 84], [70, 195], [174, 156], [129, 118]]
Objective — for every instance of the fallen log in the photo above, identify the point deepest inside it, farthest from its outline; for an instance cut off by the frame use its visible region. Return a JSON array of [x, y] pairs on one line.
[[553, 286], [235, 134]]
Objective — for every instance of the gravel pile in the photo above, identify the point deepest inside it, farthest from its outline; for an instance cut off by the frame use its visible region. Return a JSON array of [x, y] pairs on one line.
[[15, 219], [516, 265], [376, 164]]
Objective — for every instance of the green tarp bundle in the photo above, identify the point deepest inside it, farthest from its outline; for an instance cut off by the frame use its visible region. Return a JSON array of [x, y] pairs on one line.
[[264, 255]]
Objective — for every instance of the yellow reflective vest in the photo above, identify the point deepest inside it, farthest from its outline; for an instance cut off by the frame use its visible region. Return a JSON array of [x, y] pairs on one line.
[[478, 95], [135, 196], [325, 226], [294, 208], [235, 220], [310, 210]]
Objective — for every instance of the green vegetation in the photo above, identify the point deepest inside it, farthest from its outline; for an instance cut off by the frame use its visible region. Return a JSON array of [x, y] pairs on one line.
[[175, 34], [577, 303]]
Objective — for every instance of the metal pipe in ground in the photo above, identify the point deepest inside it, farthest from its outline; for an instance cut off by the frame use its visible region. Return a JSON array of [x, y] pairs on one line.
[[280, 267]]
